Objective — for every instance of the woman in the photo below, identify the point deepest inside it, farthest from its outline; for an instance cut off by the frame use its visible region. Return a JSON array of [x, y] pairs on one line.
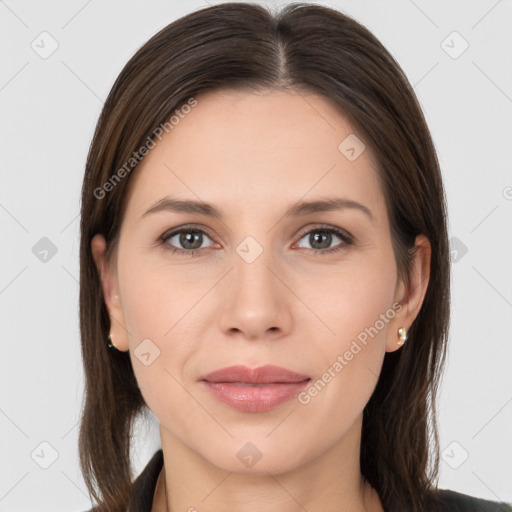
[[265, 267]]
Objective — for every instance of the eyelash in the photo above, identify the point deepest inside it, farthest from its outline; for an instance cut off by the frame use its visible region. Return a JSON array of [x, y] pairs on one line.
[[347, 239]]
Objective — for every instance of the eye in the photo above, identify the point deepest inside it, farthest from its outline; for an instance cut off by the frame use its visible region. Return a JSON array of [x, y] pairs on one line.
[[321, 238], [189, 240], [188, 237]]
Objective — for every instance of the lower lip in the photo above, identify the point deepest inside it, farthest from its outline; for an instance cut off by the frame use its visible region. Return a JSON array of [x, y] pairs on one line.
[[255, 398]]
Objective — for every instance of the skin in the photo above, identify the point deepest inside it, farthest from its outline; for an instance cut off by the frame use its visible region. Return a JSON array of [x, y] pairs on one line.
[[253, 155]]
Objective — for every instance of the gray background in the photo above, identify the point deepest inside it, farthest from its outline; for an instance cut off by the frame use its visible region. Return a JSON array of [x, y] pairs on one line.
[[49, 109]]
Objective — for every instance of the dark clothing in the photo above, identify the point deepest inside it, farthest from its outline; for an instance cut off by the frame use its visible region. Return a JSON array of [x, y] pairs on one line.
[[451, 501]]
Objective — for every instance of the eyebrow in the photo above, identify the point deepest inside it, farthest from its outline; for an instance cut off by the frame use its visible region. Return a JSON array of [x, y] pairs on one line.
[[297, 209]]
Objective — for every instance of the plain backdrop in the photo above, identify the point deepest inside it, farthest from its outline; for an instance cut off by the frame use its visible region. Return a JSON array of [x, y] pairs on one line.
[[58, 63]]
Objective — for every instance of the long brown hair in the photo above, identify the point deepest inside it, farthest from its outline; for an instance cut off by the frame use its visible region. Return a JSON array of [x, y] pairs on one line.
[[305, 47]]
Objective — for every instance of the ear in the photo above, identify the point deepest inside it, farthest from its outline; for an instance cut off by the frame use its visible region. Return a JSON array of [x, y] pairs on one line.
[[111, 295], [411, 297]]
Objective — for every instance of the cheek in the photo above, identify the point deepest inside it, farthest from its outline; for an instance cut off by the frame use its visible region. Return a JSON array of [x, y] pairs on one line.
[[159, 364], [356, 309], [156, 297], [155, 318], [349, 300]]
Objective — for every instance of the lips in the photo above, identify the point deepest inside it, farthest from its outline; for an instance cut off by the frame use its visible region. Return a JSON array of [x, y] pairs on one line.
[[262, 375], [254, 390]]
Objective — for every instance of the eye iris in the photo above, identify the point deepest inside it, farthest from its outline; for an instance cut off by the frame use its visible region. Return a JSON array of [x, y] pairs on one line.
[[188, 236], [316, 235]]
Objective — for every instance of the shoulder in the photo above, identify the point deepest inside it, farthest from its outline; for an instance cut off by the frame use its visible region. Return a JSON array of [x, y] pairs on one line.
[[452, 501], [144, 485]]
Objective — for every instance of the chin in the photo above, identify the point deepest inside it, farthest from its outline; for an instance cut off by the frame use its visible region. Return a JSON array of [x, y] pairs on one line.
[[257, 458]]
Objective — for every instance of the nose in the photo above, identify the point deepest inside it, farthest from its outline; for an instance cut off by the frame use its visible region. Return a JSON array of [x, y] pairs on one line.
[[255, 301]]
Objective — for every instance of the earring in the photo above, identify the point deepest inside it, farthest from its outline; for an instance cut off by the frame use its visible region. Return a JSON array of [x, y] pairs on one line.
[[111, 345], [402, 335]]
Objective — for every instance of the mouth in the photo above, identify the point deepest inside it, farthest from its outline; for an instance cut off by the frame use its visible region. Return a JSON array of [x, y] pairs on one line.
[[268, 374], [249, 384], [254, 390]]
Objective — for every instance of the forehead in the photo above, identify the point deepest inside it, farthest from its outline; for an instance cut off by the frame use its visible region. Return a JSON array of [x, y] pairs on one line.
[[257, 148]]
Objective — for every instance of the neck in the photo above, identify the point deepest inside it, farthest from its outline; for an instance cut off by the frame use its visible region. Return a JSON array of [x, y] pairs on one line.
[[331, 482]]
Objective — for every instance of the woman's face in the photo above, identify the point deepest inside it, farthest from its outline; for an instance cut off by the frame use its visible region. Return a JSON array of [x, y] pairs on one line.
[[262, 287]]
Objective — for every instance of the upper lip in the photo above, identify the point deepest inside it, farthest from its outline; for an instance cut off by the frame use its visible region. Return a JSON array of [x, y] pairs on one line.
[[260, 375]]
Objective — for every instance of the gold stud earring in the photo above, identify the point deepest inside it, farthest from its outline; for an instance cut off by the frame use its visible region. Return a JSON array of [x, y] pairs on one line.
[[402, 335]]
